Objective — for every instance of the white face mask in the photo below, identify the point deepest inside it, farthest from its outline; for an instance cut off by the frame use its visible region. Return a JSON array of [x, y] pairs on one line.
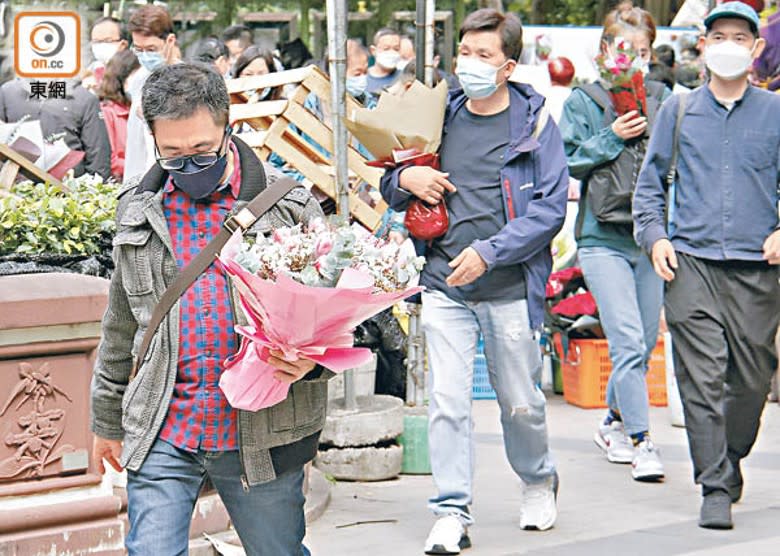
[[728, 60], [388, 59], [103, 51]]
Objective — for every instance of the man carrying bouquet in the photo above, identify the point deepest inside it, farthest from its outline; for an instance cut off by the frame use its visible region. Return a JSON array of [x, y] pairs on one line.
[[505, 181], [719, 257], [171, 426]]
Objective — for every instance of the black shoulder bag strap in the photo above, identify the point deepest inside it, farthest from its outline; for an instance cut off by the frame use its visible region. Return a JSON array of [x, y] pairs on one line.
[[672, 175], [242, 220]]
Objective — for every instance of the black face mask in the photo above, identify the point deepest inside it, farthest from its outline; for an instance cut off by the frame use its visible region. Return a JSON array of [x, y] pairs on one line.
[[198, 182]]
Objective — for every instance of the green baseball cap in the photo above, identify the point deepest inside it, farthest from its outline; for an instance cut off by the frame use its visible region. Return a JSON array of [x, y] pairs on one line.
[[736, 10]]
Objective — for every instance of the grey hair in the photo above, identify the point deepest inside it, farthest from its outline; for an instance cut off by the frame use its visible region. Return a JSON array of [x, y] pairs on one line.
[[178, 91]]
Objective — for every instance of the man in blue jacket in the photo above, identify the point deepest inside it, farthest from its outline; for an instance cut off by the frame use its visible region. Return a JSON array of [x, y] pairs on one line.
[[722, 293], [504, 179]]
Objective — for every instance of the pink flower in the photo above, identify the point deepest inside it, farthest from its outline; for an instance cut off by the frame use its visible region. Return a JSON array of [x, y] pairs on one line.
[[323, 246], [281, 235], [623, 61]]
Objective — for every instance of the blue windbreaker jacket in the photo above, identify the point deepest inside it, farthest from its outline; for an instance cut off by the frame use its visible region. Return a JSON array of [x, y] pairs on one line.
[[534, 186]]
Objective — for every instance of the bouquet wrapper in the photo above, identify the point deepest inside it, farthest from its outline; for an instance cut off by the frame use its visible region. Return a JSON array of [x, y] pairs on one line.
[[300, 321], [631, 96], [410, 122]]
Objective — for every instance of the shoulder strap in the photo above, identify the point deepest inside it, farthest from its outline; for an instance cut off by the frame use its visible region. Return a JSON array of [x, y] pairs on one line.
[[598, 94], [242, 220], [672, 175], [541, 122]]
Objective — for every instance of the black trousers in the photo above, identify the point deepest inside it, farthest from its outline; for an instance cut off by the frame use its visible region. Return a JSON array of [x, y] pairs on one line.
[[723, 317]]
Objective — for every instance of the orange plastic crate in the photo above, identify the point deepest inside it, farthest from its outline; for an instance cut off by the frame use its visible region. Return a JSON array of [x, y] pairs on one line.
[[586, 368]]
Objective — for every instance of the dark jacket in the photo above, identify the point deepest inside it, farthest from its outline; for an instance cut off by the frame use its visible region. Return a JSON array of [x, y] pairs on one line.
[[271, 441], [78, 115], [534, 181], [725, 201]]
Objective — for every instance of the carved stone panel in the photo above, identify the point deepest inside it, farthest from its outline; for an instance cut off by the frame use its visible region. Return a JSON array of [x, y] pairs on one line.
[[44, 416]]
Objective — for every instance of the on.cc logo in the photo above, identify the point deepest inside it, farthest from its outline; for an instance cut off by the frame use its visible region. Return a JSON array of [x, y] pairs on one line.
[[47, 39]]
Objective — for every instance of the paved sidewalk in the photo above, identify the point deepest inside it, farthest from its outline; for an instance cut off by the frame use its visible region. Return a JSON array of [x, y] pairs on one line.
[[602, 511]]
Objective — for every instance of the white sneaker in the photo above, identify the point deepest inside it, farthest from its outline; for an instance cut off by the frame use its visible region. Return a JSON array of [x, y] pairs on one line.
[[616, 444], [448, 536], [540, 508], [646, 465]]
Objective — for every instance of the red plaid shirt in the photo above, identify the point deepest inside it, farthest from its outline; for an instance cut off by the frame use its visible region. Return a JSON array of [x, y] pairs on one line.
[[199, 415]]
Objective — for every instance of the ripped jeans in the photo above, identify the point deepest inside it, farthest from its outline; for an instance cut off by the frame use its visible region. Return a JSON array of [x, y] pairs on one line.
[[514, 364]]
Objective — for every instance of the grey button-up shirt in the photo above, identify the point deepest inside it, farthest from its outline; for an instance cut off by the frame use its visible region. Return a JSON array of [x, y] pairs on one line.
[[726, 192]]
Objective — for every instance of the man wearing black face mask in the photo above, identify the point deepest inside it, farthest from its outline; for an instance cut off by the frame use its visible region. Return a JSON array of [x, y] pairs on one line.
[[172, 425]]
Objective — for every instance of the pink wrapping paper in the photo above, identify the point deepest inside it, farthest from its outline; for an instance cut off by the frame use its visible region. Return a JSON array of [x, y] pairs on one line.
[[298, 320]]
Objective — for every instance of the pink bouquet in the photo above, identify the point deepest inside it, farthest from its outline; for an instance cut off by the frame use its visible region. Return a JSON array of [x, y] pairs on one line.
[[625, 79], [304, 290]]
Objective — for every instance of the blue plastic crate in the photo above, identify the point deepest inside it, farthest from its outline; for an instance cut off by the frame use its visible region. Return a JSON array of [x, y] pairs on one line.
[[481, 389]]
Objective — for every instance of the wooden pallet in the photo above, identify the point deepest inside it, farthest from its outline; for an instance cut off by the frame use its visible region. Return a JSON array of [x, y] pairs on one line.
[[273, 123], [13, 165]]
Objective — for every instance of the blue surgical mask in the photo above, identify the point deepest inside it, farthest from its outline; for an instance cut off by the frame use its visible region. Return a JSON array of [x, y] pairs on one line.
[[357, 84], [478, 78], [150, 60]]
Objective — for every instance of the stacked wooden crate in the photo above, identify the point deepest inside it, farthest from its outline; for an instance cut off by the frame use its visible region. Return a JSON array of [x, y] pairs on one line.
[[279, 127]]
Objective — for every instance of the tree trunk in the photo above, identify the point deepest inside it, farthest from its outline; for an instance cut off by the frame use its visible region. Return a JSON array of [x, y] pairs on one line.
[[460, 14], [303, 30]]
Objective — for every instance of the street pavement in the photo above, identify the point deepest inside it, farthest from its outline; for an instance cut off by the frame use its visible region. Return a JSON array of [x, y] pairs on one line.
[[602, 511]]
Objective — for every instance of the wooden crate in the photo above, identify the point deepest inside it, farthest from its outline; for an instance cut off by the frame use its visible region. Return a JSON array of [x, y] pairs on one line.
[[13, 165], [275, 123]]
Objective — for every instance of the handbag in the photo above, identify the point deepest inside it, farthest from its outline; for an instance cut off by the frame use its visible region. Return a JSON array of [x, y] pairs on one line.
[[609, 188], [425, 221]]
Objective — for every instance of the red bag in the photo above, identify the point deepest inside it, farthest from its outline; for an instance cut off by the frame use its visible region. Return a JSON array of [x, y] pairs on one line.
[[426, 221]]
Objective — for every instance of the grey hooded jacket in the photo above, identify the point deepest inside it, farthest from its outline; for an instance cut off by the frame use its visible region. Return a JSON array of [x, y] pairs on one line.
[[271, 441]]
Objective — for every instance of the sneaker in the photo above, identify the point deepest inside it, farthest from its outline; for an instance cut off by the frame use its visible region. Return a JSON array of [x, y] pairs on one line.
[[646, 465], [448, 536], [716, 511], [613, 440], [540, 509]]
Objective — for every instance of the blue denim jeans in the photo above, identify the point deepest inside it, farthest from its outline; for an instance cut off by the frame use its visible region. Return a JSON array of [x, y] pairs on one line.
[[161, 497], [514, 365], [629, 295]]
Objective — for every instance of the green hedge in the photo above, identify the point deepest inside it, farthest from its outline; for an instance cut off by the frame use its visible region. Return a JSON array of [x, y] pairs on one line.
[[37, 218]]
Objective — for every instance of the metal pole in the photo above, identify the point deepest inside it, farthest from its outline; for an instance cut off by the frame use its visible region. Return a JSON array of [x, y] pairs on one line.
[[430, 39], [337, 58], [411, 358], [419, 40]]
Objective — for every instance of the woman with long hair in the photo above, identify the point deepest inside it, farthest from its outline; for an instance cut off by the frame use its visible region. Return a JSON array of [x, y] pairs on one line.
[[256, 60], [115, 105], [601, 147]]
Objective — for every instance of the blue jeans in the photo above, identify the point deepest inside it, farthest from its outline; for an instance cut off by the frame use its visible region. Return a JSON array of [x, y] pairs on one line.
[[629, 295], [514, 364], [161, 497]]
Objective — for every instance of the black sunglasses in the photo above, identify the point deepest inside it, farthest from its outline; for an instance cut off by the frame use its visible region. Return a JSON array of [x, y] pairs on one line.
[[201, 160]]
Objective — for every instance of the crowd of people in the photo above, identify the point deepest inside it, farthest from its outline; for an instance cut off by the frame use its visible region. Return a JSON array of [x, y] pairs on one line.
[[696, 240]]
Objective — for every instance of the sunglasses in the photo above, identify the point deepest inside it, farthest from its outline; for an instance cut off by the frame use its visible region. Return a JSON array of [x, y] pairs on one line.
[[201, 160]]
